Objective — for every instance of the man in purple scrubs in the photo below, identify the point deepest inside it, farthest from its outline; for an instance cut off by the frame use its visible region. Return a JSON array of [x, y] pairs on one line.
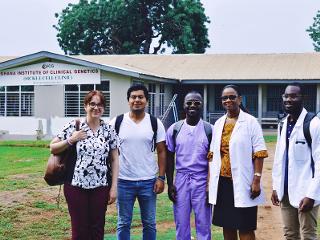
[[190, 143]]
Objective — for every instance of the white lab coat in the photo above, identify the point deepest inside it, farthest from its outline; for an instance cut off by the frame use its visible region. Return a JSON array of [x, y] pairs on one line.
[[300, 181], [246, 139]]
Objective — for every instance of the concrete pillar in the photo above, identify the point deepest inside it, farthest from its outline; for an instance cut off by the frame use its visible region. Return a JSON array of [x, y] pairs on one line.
[[205, 100], [318, 98], [260, 102]]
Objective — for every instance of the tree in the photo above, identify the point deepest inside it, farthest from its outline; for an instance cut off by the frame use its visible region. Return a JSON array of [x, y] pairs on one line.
[[133, 26], [314, 32]]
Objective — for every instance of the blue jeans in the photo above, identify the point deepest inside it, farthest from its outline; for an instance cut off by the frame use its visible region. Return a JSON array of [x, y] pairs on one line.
[[128, 191]]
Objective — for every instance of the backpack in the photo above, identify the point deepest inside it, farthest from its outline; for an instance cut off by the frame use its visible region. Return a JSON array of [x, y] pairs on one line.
[[154, 125], [178, 125], [306, 133]]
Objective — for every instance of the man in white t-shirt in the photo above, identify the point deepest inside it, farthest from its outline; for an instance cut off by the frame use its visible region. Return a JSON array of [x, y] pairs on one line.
[[140, 175]]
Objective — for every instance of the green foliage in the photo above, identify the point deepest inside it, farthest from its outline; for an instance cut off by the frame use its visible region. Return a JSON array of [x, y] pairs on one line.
[[131, 26], [314, 32]]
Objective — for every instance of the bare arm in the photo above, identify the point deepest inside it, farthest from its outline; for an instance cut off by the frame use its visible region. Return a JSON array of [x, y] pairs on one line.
[[115, 174], [57, 146], [169, 172], [255, 187], [162, 152]]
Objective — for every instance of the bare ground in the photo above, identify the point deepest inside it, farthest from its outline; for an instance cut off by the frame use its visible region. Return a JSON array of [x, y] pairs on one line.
[[269, 216]]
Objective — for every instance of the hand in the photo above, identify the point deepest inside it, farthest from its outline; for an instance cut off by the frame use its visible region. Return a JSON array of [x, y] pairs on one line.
[[306, 204], [172, 193], [274, 198], [255, 189], [77, 136], [158, 186], [112, 195]]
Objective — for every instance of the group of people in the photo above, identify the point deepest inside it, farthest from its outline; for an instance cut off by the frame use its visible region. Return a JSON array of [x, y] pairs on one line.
[[213, 170]]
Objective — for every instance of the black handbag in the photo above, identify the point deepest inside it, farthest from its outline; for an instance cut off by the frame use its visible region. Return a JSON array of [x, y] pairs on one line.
[[60, 166]]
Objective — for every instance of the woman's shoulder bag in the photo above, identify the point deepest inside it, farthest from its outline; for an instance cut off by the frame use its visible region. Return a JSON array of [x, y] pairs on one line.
[[61, 166]]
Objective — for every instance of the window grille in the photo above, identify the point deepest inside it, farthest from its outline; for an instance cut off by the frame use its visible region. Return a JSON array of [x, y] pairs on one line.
[[16, 101], [74, 96]]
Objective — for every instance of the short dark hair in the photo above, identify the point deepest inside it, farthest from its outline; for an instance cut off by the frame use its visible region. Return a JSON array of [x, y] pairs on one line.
[[234, 87], [193, 92], [89, 96], [138, 87], [297, 84]]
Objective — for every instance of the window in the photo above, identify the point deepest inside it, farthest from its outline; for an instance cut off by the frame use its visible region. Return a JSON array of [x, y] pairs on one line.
[[137, 82], [152, 94], [16, 101], [74, 95], [161, 99], [249, 98]]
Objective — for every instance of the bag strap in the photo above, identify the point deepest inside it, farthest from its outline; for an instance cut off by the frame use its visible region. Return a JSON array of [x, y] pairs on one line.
[[118, 123], [176, 129], [307, 135], [208, 131], [77, 124], [154, 125]]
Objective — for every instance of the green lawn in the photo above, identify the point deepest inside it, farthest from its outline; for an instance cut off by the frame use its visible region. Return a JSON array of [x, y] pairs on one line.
[[28, 208]]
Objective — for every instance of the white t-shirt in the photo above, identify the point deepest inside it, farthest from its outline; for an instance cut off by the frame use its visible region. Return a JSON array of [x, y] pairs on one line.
[[137, 161]]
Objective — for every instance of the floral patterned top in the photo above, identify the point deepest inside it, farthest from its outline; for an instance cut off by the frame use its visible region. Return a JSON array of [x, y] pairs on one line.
[[225, 170], [91, 165]]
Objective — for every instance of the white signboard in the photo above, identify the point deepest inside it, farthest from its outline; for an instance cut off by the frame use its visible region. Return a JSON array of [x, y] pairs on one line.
[[49, 73]]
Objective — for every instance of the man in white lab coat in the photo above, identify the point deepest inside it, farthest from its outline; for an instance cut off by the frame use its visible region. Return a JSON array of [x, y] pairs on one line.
[[296, 181]]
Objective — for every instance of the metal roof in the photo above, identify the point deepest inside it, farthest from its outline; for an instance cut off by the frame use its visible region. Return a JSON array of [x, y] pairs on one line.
[[196, 68], [219, 67]]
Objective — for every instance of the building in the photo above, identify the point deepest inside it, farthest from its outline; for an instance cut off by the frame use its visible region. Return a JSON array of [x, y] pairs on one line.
[[43, 91]]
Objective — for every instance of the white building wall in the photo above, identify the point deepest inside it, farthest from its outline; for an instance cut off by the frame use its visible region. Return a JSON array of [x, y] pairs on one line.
[[49, 107], [22, 125], [49, 101], [118, 93]]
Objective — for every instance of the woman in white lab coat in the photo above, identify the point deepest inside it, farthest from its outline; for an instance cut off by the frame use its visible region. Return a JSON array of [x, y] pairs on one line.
[[238, 151]]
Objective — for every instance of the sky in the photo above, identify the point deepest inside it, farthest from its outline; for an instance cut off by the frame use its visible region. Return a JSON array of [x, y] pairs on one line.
[[241, 26]]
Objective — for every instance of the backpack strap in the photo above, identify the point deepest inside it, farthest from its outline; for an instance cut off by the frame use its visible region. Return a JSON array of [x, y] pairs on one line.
[[176, 129], [178, 125], [307, 135], [118, 123], [281, 122], [208, 131], [154, 125]]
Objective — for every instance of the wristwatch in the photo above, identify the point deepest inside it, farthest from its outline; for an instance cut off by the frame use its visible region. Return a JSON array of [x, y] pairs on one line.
[[162, 178], [257, 174]]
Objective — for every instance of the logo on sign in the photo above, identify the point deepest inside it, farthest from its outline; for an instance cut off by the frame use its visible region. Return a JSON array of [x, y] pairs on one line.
[[47, 65]]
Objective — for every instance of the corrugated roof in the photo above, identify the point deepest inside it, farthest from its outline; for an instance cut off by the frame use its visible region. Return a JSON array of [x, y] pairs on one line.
[[6, 58], [218, 66], [184, 67]]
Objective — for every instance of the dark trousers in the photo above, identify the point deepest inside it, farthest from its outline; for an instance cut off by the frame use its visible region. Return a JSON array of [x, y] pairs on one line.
[[87, 208]]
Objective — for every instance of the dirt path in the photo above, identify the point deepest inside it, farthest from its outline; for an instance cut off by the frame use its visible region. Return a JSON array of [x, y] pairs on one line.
[[269, 216]]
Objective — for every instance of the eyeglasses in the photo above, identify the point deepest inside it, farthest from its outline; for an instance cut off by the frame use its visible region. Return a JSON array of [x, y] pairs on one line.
[[231, 97], [292, 96], [196, 103], [93, 105]]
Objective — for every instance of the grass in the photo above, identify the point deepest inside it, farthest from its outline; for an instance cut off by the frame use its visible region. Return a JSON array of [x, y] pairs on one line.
[[270, 138], [28, 208]]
